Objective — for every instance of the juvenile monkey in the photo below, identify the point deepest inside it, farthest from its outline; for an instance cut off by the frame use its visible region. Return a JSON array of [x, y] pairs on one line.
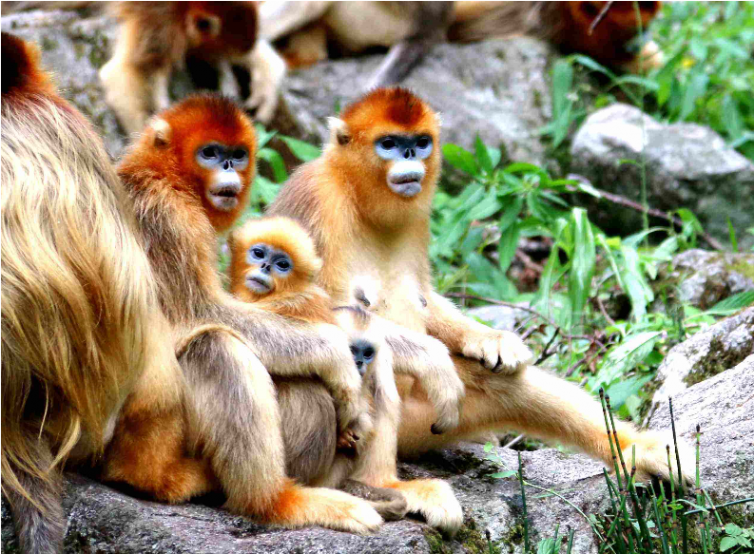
[[187, 177], [275, 266], [366, 202], [156, 37]]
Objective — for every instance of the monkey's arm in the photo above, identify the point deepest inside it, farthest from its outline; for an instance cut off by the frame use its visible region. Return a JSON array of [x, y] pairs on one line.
[[278, 19], [496, 350], [289, 347], [428, 360], [267, 73]]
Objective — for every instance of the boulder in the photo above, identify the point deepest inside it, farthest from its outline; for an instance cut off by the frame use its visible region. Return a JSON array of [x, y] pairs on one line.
[[706, 354], [702, 278], [502, 318], [687, 166]]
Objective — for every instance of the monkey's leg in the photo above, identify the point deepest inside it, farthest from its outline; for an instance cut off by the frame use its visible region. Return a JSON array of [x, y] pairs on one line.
[[267, 70], [306, 46], [228, 84], [539, 404], [237, 419], [41, 526], [127, 89], [160, 89]]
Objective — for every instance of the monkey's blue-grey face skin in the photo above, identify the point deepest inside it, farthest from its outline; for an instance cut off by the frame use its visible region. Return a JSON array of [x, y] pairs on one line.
[[406, 152], [266, 262], [363, 354], [224, 162]]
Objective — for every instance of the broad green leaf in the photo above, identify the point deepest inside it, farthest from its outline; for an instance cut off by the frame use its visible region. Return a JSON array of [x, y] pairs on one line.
[[503, 474], [731, 118], [695, 89], [507, 246], [276, 162], [733, 303], [727, 543], [488, 206], [511, 212], [483, 156], [460, 159], [302, 150], [624, 388]]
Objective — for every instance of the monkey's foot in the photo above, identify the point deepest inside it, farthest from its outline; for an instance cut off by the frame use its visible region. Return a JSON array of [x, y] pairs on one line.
[[303, 506], [433, 499], [652, 458], [499, 351], [347, 441]]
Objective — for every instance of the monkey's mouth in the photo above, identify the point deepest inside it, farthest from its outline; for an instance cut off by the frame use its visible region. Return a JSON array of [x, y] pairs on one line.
[[224, 197], [258, 285], [405, 185]]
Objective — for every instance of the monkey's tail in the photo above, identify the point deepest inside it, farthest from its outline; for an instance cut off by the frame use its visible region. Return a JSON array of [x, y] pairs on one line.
[[183, 343], [34, 497]]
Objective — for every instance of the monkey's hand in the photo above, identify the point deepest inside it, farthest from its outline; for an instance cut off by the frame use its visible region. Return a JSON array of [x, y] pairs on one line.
[[499, 351], [652, 458], [267, 73]]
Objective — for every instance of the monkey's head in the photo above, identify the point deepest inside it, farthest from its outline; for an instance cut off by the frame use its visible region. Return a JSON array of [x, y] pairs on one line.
[[221, 29], [205, 146], [356, 323], [387, 145], [272, 255]]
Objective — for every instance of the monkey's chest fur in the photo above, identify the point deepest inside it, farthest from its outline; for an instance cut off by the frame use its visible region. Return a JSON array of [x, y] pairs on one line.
[[395, 295]]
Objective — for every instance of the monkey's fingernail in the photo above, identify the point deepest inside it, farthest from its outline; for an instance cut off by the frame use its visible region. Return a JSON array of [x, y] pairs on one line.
[[435, 429]]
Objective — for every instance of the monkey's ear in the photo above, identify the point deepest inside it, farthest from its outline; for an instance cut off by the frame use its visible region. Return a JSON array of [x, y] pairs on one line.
[[339, 132], [160, 131]]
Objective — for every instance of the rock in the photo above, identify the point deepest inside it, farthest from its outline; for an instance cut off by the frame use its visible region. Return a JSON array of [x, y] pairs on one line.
[[74, 49], [703, 278], [496, 88], [705, 355], [723, 406], [688, 166], [502, 318]]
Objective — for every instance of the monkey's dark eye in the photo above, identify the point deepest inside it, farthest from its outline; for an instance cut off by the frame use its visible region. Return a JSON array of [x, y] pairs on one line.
[[423, 142], [209, 152], [283, 265], [203, 24], [257, 252], [354, 350], [239, 154], [387, 143], [369, 353]]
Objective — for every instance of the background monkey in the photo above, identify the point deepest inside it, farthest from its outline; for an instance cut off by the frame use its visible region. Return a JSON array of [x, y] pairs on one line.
[[410, 29], [367, 201], [187, 177], [80, 318], [274, 265], [155, 37]]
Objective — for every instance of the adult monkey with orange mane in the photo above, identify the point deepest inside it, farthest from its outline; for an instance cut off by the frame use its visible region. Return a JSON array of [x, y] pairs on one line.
[[367, 201]]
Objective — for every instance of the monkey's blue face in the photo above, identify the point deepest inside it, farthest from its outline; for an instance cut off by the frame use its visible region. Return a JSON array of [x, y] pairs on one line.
[[405, 154], [363, 354], [224, 163], [268, 263]]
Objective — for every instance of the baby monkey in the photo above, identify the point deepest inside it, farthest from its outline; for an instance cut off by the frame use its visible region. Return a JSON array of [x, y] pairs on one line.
[[274, 264]]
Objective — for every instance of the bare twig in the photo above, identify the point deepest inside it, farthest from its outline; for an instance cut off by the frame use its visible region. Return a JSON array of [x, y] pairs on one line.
[[600, 17], [528, 262], [514, 441], [627, 203], [545, 354], [601, 306]]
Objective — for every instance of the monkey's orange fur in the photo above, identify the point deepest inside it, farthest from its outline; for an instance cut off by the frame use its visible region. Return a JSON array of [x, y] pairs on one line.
[[366, 233]]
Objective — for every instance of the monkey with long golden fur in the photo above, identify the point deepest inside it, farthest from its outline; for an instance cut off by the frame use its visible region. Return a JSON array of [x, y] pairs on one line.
[[274, 265], [367, 201], [80, 319]]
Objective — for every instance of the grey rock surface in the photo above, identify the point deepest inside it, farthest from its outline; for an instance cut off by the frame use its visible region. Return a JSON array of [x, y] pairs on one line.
[[706, 354], [702, 278], [502, 318], [723, 407], [688, 166]]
